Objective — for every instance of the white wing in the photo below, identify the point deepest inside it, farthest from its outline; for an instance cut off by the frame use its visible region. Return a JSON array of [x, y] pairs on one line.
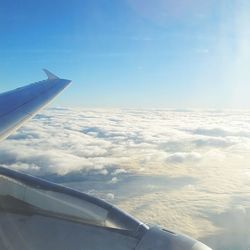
[[19, 105]]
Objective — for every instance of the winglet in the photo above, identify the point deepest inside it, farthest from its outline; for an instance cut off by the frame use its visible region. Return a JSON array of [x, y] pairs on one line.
[[50, 75]]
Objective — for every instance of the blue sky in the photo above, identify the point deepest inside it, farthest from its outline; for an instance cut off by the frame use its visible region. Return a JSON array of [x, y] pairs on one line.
[[131, 53]]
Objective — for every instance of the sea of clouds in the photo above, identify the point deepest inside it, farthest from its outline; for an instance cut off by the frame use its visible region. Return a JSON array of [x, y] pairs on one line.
[[188, 170]]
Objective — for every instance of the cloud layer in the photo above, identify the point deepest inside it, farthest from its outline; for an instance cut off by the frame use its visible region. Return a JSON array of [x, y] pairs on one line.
[[183, 169]]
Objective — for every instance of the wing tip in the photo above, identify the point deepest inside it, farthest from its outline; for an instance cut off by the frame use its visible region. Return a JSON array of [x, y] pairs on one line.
[[50, 75]]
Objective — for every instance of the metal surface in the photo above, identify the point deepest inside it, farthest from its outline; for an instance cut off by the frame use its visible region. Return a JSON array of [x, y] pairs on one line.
[[19, 105], [22, 187]]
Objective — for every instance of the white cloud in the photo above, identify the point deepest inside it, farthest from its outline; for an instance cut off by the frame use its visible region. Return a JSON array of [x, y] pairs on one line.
[[208, 149], [114, 180], [119, 171], [110, 196], [181, 157]]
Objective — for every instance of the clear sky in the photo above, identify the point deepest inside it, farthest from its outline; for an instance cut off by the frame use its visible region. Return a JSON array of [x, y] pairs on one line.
[[131, 53]]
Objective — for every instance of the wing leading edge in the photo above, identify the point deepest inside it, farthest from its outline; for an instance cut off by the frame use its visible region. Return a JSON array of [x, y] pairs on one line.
[[19, 105]]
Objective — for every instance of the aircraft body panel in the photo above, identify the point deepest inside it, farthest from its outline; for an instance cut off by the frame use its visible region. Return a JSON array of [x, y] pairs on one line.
[[19, 105], [41, 232]]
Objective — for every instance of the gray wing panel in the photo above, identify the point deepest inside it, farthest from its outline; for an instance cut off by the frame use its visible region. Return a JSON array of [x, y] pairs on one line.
[[24, 232], [19, 105], [68, 203]]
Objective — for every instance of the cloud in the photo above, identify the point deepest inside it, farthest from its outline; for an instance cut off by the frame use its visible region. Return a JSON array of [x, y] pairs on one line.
[[183, 157], [220, 132], [169, 167], [114, 180], [110, 196], [237, 217], [213, 142], [119, 171]]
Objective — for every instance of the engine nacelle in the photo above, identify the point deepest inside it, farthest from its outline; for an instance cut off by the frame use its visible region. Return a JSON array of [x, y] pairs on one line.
[[162, 239]]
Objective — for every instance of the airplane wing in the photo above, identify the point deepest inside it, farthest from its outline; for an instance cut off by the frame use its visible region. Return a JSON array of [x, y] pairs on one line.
[[19, 105], [37, 214]]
